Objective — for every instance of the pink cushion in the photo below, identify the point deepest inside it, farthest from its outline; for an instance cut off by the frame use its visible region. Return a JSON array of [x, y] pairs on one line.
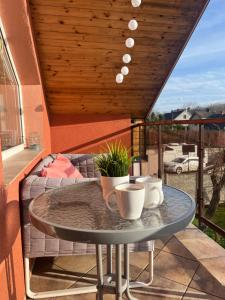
[[61, 158], [61, 168]]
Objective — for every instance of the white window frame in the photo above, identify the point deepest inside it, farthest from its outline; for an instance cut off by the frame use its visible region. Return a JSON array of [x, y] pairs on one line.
[[14, 150]]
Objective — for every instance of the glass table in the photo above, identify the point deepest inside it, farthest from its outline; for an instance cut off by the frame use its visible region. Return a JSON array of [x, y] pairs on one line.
[[78, 213]]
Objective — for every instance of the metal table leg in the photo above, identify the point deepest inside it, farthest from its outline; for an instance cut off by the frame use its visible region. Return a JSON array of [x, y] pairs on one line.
[[116, 283], [137, 284], [99, 295], [118, 273], [127, 272], [109, 259]]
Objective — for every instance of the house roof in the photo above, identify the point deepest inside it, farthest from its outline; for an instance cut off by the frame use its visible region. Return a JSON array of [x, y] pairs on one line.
[[80, 45], [212, 126], [173, 114], [200, 114]]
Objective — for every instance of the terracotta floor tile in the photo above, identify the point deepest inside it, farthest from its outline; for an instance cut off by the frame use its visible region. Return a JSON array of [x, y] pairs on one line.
[[205, 282], [174, 267], [189, 233], [48, 283], [193, 294], [78, 263], [78, 297], [46, 276], [204, 248], [174, 270], [176, 247], [60, 272], [216, 267], [159, 244], [91, 296], [43, 264], [88, 297], [138, 262], [200, 245], [161, 288]]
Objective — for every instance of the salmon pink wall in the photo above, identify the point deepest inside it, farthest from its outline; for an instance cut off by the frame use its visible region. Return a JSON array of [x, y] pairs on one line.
[[35, 116], [11, 271], [87, 134], [15, 20]]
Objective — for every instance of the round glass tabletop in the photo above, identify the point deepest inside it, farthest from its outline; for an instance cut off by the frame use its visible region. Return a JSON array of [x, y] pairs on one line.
[[78, 213]]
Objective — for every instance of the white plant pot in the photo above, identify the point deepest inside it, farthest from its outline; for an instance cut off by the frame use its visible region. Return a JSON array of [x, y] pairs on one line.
[[108, 183]]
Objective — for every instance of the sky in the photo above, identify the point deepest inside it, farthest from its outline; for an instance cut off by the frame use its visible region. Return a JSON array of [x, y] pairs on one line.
[[199, 76]]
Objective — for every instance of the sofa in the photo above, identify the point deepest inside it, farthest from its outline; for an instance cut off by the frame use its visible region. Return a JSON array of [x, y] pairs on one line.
[[38, 244]]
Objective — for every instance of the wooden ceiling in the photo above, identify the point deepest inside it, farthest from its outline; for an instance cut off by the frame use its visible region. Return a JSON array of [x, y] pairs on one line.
[[80, 46]]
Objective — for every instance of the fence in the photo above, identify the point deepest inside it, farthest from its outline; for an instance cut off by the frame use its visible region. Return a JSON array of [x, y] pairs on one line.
[[153, 143]]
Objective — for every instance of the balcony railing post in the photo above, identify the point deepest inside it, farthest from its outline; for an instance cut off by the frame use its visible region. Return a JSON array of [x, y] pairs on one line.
[[200, 173], [132, 148], [160, 153], [145, 143], [139, 140]]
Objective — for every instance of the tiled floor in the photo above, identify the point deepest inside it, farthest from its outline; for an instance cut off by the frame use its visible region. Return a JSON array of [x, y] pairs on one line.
[[178, 274]]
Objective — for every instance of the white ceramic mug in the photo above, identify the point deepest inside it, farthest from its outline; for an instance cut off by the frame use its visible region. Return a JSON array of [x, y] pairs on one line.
[[130, 199], [153, 191]]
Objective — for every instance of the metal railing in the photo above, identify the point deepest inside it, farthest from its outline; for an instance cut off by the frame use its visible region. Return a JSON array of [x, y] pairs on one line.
[[141, 145]]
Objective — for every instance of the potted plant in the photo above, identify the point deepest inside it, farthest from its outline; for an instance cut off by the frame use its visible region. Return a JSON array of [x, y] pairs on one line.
[[114, 166]]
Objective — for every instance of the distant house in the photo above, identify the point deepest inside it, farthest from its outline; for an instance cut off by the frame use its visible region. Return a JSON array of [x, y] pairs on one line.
[[198, 115], [178, 114], [214, 126]]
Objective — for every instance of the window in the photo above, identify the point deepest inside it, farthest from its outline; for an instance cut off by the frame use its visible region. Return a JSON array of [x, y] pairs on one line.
[[10, 110], [179, 160]]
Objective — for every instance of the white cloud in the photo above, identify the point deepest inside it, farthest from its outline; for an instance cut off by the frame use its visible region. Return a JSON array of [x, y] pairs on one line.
[[199, 76], [199, 89]]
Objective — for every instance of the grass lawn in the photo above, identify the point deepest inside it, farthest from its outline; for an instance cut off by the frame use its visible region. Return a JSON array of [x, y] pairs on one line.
[[218, 219]]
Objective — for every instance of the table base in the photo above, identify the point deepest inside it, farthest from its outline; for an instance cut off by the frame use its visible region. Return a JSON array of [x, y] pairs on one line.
[[118, 283]]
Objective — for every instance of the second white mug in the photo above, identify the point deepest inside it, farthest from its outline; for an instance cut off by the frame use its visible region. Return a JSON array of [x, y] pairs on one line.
[[153, 191], [129, 199]]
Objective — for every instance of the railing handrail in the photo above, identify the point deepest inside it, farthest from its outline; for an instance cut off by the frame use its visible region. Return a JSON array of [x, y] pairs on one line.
[[182, 122]]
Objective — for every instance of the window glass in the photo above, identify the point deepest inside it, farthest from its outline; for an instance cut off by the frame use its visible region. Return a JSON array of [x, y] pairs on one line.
[[10, 112], [179, 159]]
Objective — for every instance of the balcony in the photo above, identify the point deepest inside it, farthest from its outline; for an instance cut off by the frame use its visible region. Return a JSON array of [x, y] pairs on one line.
[[65, 56], [188, 265]]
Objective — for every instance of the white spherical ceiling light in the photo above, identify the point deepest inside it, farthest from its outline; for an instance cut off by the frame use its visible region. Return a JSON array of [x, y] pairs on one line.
[[136, 3], [126, 58], [125, 70], [119, 78], [133, 24], [129, 43]]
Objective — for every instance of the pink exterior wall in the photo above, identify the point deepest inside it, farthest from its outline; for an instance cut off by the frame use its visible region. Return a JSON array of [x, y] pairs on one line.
[[16, 25], [82, 134], [35, 115]]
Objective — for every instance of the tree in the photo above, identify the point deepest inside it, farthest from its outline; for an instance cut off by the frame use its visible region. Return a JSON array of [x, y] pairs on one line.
[[217, 176], [154, 117]]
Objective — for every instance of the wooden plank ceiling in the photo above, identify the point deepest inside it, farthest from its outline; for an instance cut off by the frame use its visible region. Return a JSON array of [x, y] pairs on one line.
[[80, 46]]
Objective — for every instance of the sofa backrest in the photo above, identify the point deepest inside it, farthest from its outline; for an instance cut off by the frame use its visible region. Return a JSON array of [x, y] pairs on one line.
[[83, 162]]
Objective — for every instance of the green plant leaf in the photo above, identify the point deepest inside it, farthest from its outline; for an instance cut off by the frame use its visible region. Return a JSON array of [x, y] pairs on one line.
[[115, 162]]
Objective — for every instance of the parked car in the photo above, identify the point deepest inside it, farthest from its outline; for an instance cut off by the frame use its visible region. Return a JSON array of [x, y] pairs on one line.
[[182, 164]]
